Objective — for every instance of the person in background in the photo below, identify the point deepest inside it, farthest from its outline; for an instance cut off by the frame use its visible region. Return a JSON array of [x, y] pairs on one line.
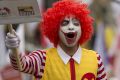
[[67, 25]]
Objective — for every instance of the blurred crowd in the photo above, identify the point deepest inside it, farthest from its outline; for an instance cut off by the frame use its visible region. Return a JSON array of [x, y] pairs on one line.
[[105, 40]]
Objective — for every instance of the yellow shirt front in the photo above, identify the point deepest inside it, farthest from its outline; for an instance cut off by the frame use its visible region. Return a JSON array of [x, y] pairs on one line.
[[56, 69]]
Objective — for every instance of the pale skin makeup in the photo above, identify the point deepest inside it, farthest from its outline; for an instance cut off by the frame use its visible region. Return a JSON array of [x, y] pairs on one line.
[[69, 34]]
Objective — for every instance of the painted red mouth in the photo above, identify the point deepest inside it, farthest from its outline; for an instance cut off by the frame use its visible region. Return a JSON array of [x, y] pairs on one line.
[[70, 37]]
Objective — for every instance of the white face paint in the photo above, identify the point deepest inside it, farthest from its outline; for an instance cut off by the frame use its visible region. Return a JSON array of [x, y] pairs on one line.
[[70, 31]]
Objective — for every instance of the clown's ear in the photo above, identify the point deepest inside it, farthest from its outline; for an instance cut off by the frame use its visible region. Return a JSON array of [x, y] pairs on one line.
[[79, 1]]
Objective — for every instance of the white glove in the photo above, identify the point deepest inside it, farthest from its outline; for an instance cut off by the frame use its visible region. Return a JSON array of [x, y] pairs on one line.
[[12, 40]]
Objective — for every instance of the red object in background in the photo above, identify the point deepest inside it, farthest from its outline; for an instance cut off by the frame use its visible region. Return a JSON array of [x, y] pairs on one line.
[[8, 73]]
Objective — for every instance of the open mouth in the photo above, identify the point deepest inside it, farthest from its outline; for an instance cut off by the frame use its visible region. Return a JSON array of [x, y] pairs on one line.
[[71, 35]]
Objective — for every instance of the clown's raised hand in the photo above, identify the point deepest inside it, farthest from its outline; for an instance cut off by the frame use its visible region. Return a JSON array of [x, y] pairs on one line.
[[12, 40]]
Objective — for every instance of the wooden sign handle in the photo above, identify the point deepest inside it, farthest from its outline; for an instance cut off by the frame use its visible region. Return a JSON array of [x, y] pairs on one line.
[[15, 50], [10, 29]]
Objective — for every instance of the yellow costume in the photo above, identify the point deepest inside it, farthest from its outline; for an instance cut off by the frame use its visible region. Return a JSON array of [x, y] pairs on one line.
[[55, 69]]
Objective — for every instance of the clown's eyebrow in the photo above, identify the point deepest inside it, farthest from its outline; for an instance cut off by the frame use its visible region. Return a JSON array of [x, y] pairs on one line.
[[67, 21], [75, 20]]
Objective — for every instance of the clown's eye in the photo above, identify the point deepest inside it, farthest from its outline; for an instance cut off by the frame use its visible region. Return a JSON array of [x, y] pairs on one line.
[[65, 22], [76, 22]]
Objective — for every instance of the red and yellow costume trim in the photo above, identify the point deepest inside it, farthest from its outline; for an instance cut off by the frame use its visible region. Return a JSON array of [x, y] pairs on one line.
[[45, 66]]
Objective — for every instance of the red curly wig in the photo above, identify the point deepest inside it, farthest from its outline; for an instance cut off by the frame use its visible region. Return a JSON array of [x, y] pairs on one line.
[[53, 17]]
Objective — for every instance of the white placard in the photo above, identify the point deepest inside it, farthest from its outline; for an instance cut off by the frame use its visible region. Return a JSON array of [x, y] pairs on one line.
[[19, 11]]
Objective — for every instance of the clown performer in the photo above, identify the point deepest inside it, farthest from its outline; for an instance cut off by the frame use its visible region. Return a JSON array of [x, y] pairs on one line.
[[67, 25]]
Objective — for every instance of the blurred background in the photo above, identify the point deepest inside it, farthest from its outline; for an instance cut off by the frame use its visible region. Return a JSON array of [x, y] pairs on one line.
[[106, 38]]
